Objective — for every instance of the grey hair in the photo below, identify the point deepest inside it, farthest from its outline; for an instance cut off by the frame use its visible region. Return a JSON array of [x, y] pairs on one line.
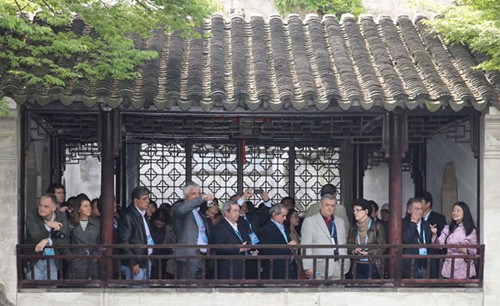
[[411, 201], [328, 196], [227, 205], [139, 192], [50, 196], [276, 209], [189, 186]]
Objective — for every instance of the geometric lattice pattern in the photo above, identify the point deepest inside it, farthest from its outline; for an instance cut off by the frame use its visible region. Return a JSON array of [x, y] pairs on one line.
[[162, 168], [75, 152], [267, 168], [215, 169], [315, 167]]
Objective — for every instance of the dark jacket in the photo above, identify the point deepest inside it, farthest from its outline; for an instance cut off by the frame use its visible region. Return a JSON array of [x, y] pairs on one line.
[[36, 232], [84, 268], [270, 234], [411, 236], [223, 233], [376, 235], [131, 231]]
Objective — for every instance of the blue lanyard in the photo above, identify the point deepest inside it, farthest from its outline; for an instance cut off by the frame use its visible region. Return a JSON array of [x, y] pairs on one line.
[[249, 224], [366, 237], [237, 233], [423, 234]]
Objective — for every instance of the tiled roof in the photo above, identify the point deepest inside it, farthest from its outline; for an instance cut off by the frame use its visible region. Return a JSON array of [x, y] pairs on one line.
[[280, 64]]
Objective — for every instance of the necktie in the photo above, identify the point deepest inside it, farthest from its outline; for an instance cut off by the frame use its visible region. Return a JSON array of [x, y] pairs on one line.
[[333, 232]]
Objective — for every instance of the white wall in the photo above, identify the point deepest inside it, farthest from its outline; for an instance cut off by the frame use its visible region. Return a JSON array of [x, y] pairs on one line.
[[376, 185], [442, 150]]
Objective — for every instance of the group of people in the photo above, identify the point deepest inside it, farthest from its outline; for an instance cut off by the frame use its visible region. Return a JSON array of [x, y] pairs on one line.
[[199, 219]]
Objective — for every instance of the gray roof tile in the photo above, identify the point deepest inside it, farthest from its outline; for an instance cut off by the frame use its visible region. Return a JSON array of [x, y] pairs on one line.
[[281, 64]]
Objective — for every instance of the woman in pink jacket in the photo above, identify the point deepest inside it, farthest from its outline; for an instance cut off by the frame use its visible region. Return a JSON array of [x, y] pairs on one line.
[[461, 230]]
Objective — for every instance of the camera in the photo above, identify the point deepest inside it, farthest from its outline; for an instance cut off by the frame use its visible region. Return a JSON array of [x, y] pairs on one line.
[[57, 234]]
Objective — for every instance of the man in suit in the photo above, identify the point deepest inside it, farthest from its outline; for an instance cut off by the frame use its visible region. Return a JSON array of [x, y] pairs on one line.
[[228, 231], [46, 228], [324, 228], [340, 211], [439, 221], [134, 228], [191, 228], [274, 232], [415, 231]]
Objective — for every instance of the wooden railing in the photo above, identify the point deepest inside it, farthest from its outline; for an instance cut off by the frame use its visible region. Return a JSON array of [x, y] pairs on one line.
[[107, 259]]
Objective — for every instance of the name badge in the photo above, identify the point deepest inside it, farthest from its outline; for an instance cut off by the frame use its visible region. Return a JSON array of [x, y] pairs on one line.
[[422, 251], [255, 239], [49, 252]]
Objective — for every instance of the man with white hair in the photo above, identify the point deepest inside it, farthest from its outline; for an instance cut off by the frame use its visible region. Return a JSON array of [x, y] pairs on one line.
[[324, 228], [190, 228]]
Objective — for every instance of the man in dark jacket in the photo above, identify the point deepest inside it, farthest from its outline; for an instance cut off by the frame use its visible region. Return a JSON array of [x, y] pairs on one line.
[[415, 231], [274, 232], [439, 221], [228, 231], [134, 228], [46, 228]]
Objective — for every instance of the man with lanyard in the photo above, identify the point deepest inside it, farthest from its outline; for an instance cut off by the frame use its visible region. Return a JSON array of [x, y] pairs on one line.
[[415, 231], [191, 228], [228, 231], [134, 228], [274, 232], [46, 228], [323, 228], [250, 223]]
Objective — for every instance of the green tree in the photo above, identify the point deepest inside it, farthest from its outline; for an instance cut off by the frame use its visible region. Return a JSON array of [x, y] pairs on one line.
[[38, 45], [321, 7], [475, 23]]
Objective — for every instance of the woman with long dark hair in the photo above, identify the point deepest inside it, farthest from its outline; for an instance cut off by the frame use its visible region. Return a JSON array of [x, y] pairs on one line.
[[84, 230], [461, 230]]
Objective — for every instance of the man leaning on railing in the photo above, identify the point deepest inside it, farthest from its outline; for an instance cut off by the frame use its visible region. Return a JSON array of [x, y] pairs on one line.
[[45, 228]]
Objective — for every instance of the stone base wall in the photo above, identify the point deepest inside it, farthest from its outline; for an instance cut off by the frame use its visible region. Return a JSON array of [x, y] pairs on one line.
[[9, 182], [276, 297]]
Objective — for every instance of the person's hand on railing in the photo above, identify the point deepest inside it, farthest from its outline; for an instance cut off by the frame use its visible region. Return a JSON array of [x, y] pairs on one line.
[[54, 224], [309, 272], [242, 250], [463, 250], [42, 244], [136, 269]]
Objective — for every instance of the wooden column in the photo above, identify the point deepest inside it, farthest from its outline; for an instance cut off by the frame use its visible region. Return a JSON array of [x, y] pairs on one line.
[[395, 135], [106, 141]]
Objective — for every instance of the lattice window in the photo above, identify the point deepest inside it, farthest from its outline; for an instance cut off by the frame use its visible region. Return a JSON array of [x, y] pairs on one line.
[[76, 152], [315, 167], [215, 169], [162, 168], [267, 168]]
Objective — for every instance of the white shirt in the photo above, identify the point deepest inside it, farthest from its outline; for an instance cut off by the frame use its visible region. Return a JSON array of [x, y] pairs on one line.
[[146, 228]]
